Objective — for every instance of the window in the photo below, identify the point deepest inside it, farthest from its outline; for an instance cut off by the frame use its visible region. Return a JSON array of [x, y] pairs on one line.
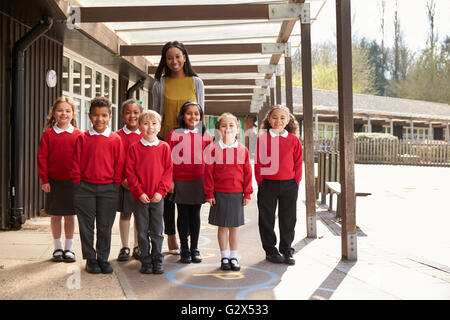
[[78, 78]]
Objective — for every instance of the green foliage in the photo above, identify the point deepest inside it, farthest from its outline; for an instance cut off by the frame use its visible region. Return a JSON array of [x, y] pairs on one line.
[[373, 136]]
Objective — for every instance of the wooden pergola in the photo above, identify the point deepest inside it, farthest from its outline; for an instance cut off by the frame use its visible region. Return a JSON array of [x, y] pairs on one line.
[[239, 86]]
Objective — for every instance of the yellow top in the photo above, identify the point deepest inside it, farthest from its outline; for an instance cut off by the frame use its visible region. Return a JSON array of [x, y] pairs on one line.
[[176, 92]]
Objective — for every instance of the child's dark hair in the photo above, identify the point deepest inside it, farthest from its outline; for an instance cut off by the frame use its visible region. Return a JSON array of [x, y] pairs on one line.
[[164, 69], [131, 101], [291, 127], [100, 102], [183, 110]]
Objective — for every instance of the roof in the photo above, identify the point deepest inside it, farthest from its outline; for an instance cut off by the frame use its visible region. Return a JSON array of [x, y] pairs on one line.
[[326, 101]]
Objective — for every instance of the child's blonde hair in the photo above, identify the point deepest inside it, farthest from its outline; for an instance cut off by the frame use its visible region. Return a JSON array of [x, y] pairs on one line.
[[291, 127], [149, 114], [234, 118], [51, 120]]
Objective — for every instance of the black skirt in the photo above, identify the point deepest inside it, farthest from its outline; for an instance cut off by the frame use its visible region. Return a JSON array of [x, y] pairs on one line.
[[59, 201], [189, 192], [228, 211], [125, 203]]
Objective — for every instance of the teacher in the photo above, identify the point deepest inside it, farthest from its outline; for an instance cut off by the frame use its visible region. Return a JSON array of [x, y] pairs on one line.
[[176, 82]]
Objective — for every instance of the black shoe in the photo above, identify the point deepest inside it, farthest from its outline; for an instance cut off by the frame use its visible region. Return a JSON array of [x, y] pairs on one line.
[[147, 268], [275, 258], [58, 257], [234, 264], [124, 254], [105, 266], [288, 258], [158, 268], [225, 264], [92, 266], [185, 257], [137, 253], [195, 256], [69, 256]]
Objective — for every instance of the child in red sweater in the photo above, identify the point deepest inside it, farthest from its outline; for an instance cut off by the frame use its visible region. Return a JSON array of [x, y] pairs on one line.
[[54, 160], [228, 186], [149, 174], [278, 171], [188, 143], [130, 134], [97, 170]]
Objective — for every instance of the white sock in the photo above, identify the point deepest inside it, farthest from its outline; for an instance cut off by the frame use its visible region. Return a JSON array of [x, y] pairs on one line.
[[58, 245], [233, 254], [69, 244], [225, 254]]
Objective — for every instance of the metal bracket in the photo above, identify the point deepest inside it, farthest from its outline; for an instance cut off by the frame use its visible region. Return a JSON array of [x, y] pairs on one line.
[[273, 48], [262, 82], [290, 11], [351, 247], [311, 227], [278, 71], [260, 91], [287, 51], [270, 68]]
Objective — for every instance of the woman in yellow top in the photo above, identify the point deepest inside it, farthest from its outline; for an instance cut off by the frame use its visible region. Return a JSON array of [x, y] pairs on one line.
[[176, 83]]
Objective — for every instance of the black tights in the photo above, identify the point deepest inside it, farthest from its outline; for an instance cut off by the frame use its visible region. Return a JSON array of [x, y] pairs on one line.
[[188, 223]]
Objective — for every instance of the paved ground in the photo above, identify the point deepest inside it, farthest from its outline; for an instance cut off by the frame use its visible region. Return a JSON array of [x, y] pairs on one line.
[[403, 253]]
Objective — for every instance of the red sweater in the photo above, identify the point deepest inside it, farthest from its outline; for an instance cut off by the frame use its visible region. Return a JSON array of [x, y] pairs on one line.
[[98, 159], [286, 162], [187, 154], [127, 141], [227, 170], [149, 169], [54, 157]]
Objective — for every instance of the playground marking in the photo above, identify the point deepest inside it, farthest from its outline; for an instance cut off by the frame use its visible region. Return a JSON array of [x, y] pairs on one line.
[[223, 276]]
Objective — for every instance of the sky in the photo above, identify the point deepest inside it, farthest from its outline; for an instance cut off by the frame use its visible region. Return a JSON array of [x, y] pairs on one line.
[[367, 19]]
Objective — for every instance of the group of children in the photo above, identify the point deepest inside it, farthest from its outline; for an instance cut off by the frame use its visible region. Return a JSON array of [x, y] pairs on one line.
[[97, 172]]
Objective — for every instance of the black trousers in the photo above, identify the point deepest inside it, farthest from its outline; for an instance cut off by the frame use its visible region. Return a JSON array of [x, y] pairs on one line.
[[188, 222], [95, 206], [149, 222], [283, 193], [169, 214]]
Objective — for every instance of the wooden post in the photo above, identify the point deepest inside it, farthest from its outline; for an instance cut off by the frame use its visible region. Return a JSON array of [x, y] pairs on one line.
[[346, 127], [308, 148], [278, 87], [288, 78], [272, 96], [447, 132]]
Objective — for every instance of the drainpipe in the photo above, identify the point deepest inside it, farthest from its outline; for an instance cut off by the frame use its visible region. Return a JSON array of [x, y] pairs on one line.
[[135, 87], [17, 217]]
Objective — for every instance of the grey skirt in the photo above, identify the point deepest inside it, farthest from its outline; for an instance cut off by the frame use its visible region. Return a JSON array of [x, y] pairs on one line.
[[59, 201], [189, 192], [228, 211], [125, 203]]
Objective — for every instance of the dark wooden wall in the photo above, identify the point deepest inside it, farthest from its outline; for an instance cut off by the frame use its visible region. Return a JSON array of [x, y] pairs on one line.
[[41, 56]]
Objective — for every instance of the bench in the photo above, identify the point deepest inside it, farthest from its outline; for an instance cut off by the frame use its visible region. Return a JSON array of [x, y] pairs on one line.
[[335, 188], [327, 170]]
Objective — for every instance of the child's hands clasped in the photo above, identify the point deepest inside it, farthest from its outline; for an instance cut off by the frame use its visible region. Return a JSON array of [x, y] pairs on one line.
[[156, 197], [144, 198]]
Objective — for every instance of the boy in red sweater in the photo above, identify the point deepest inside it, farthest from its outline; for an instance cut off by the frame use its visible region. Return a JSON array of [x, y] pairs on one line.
[[149, 174], [97, 170]]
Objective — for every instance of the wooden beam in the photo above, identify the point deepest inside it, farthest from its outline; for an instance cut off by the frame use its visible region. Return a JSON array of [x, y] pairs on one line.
[[175, 13], [238, 108], [218, 69], [217, 48], [346, 146], [225, 90], [308, 139], [288, 81], [229, 97], [278, 89], [229, 82]]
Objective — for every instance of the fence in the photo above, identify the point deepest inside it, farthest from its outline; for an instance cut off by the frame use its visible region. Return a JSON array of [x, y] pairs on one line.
[[406, 152]]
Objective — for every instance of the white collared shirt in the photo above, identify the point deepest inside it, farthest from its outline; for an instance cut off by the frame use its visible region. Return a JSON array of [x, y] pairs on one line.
[[105, 133], [195, 130], [128, 131], [58, 130], [225, 146], [273, 134], [148, 143]]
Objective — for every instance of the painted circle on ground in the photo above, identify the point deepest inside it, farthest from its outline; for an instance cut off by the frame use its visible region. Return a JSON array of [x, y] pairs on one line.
[[217, 276]]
